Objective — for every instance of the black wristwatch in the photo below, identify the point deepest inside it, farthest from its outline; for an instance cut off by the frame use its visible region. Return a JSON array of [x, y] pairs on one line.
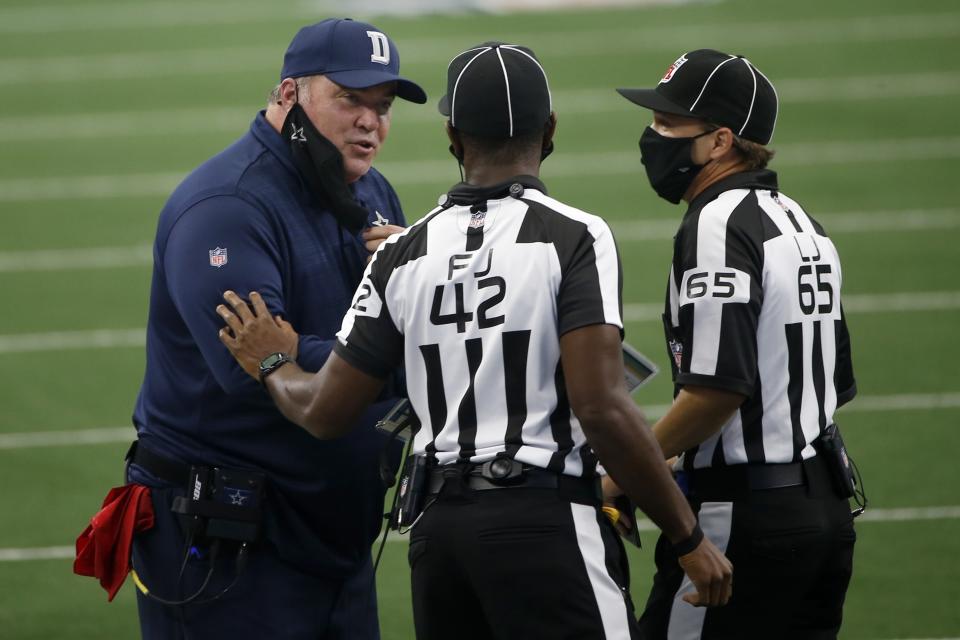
[[271, 363]]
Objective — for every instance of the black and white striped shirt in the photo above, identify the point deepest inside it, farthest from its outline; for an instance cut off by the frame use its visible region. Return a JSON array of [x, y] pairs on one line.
[[473, 298], [753, 306]]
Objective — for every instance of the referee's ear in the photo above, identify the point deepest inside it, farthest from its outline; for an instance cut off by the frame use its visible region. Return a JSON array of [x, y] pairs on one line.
[[456, 144], [549, 130], [722, 143]]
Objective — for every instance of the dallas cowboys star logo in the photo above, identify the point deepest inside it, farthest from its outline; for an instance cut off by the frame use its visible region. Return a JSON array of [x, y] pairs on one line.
[[297, 133], [237, 498], [380, 221]]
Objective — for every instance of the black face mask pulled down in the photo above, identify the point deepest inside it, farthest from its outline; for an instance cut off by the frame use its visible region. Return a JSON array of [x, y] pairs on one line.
[[670, 167], [321, 167]]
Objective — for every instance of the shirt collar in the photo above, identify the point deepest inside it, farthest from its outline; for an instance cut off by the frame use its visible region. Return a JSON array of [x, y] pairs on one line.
[[466, 194], [272, 140], [756, 179]]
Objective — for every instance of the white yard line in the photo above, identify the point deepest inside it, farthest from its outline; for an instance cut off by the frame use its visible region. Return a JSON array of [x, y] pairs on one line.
[[218, 120], [24, 554], [783, 33], [70, 259], [66, 340], [67, 438], [867, 404], [106, 435], [853, 303], [36, 553], [626, 231], [637, 312], [85, 17], [443, 172], [878, 515]]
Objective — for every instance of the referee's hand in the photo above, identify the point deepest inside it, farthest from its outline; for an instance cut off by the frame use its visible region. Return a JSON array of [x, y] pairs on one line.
[[710, 572]]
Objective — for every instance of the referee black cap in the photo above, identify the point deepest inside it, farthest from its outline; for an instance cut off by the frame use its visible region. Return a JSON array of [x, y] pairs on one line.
[[496, 90], [721, 88]]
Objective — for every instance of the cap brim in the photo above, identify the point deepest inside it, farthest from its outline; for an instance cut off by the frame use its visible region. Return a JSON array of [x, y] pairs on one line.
[[406, 89], [650, 99]]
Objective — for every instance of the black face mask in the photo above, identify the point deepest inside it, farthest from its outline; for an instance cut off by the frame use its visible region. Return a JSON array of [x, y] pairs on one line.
[[321, 166], [670, 167]]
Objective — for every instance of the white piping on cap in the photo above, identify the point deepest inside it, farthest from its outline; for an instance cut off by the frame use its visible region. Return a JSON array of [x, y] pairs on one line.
[[536, 62], [506, 82], [707, 81], [453, 94], [753, 98]]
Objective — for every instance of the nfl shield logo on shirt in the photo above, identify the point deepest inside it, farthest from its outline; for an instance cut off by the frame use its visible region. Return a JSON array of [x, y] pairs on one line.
[[477, 218], [218, 257], [676, 350]]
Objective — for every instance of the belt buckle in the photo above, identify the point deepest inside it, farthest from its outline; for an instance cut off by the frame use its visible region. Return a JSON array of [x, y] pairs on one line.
[[502, 471]]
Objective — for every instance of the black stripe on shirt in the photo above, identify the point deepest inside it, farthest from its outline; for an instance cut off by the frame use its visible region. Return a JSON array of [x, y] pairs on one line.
[[516, 346], [560, 423], [436, 397], [843, 378], [467, 413], [751, 421], [794, 334], [819, 376]]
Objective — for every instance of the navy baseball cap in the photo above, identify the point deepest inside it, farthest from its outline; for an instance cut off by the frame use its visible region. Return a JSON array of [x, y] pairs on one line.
[[496, 90], [353, 54], [720, 88]]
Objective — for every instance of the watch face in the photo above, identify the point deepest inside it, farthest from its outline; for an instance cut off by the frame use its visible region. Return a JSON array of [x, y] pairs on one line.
[[271, 360]]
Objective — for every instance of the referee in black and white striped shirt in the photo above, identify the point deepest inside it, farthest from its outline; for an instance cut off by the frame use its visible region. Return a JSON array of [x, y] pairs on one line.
[[761, 360], [504, 306]]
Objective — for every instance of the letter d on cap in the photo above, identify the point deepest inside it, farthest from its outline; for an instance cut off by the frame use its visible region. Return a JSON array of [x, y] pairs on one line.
[[381, 50]]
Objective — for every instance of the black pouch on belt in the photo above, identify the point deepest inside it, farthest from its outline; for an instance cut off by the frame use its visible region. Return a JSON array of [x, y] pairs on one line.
[[411, 492], [222, 503], [830, 446]]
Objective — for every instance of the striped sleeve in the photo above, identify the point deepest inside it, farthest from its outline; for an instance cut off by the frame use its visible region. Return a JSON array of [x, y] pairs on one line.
[[719, 276], [592, 286], [369, 338], [843, 378]]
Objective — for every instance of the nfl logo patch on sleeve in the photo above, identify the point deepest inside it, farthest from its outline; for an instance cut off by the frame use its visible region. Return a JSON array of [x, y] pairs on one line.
[[218, 257]]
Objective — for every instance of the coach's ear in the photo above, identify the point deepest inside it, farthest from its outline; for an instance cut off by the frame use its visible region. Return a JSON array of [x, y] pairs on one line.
[[456, 145], [288, 94]]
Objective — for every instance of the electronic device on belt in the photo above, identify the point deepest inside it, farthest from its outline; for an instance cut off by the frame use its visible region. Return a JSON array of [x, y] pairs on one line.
[[846, 479], [410, 493], [222, 503], [221, 506]]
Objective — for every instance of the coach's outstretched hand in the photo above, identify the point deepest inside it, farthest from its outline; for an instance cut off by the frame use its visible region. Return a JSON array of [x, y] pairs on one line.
[[710, 572], [252, 335]]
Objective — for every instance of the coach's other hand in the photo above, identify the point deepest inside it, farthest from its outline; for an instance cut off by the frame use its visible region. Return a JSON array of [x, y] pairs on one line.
[[252, 335], [710, 572], [373, 237]]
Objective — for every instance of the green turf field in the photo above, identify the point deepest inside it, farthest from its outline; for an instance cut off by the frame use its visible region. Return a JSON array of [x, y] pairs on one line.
[[106, 105]]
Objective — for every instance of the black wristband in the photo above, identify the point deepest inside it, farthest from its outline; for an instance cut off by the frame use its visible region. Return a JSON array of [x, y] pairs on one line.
[[690, 543]]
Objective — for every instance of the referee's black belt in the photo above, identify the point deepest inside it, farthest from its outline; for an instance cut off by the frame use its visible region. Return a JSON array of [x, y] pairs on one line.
[[506, 473], [163, 468], [717, 483]]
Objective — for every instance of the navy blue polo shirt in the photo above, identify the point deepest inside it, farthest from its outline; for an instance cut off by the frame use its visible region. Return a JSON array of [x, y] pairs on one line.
[[244, 221]]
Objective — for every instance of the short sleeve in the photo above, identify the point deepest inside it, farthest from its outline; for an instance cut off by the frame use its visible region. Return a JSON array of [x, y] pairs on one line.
[[369, 338], [591, 287], [720, 294]]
